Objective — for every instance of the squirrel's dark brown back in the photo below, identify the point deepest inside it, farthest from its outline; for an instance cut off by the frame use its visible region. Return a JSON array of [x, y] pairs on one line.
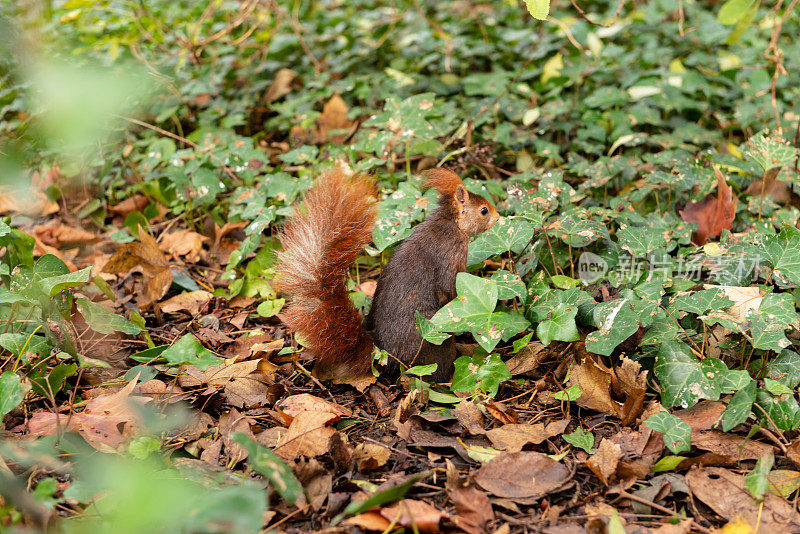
[[421, 275]]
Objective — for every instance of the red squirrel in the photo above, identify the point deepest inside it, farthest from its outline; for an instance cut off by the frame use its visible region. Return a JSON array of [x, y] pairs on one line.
[[322, 240]]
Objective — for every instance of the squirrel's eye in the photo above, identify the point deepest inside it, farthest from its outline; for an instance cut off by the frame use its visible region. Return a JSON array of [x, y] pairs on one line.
[[484, 210]]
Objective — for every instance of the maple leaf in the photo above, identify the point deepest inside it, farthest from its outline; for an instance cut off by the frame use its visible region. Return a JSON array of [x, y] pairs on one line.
[[712, 214]]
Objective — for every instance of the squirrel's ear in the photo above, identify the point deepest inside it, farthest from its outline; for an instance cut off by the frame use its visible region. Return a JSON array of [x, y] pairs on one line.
[[461, 196]]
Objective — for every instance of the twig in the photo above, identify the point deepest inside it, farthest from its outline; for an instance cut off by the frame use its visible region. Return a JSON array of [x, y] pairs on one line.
[[630, 496], [775, 55], [582, 13], [296, 29], [177, 137]]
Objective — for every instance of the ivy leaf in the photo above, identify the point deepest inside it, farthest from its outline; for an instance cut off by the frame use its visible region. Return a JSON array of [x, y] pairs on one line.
[[428, 331], [188, 351], [619, 319], [783, 253], [740, 406], [12, 391], [676, 432], [508, 234], [577, 229], [782, 410], [484, 373], [785, 368], [269, 465], [701, 301], [682, 379], [53, 285], [473, 310], [769, 151], [768, 324], [583, 439], [103, 321], [756, 481], [560, 326], [509, 285]]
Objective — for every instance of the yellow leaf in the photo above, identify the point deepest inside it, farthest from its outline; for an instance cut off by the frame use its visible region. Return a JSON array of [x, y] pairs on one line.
[[552, 68]]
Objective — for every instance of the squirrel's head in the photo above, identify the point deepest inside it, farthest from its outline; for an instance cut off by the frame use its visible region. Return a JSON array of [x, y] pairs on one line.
[[474, 214]]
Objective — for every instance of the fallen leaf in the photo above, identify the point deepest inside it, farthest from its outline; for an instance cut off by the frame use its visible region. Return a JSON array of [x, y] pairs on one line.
[[513, 437], [154, 264], [369, 521], [767, 185], [240, 382], [369, 456], [281, 85], [522, 475], [735, 447], [232, 423], [333, 118], [702, 416], [473, 509], [304, 402], [56, 234], [713, 213], [184, 243], [470, 417], [307, 436], [192, 302], [724, 492], [527, 359], [604, 462], [594, 381], [411, 513], [135, 203], [106, 423]]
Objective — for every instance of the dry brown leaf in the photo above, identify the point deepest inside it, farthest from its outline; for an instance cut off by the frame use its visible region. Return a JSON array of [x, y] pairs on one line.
[[521, 475], [232, 423], [735, 447], [411, 513], [767, 185], [473, 509], [513, 437], [304, 402], [333, 118], [369, 456], [713, 213], [594, 381], [30, 198], [724, 492], [106, 422], [527, 359], [192, 302], [702, 416], [154, 264], [470, 417], [240, 382], [604, 462], [281, 85], [184, 243], [55, 234], [369, 521], [135, 203], [307, 436]]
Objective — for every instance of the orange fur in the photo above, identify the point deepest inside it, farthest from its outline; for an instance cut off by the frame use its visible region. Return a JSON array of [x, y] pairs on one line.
[[320, 243], [444, 181]]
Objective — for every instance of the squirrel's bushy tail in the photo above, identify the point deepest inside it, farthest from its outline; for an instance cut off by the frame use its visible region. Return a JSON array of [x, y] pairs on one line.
[[321, 241]]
